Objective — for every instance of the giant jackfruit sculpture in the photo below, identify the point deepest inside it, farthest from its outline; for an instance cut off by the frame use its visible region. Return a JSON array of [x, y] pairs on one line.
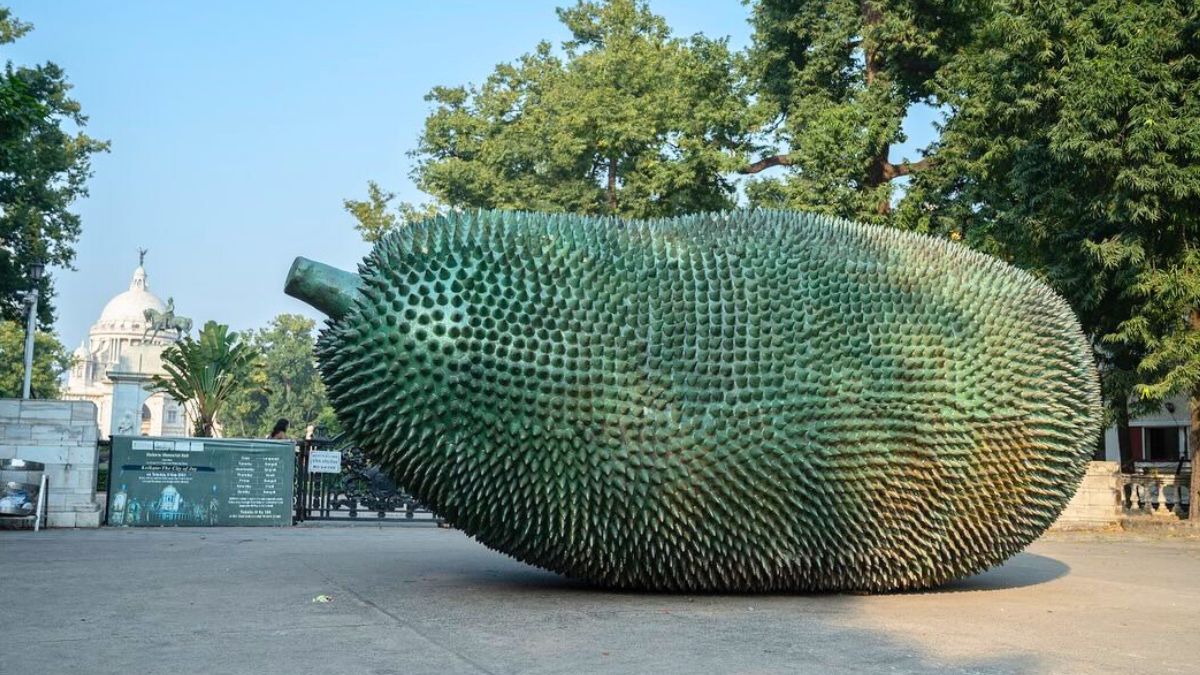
[[747, 401]]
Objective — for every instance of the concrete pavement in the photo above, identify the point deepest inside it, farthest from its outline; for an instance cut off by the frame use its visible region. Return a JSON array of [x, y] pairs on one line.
[[424, 600]]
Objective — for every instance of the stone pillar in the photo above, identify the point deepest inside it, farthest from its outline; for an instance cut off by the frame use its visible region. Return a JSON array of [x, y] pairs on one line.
[[1096, 503], [129, 395]]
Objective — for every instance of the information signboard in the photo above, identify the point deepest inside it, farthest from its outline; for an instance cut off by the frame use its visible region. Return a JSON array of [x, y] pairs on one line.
[[325, 461], [158, 481]]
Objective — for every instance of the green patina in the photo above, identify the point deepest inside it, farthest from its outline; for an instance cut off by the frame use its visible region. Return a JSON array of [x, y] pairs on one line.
[[741, 401]]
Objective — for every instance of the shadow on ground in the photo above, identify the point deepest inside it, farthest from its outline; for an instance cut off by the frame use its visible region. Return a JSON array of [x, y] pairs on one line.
[[538, 613], [1020, 571], [1023, 569]]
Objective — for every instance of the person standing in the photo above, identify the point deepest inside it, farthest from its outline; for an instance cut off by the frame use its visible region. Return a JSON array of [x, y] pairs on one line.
[[279, 433]]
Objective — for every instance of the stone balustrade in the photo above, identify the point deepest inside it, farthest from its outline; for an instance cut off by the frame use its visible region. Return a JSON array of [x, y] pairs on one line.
[[1164, 495], [1106, 497]]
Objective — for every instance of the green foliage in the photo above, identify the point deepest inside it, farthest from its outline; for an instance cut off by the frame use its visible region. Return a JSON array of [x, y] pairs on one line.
[[287, 386], [835, 79], [625, 119], [1072, 149], [628, 120], [203, 374], [375, 219], [43, 170], [740, 401], [50, 361]]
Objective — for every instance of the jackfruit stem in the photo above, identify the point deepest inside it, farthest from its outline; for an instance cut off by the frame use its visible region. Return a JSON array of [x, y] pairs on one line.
[[326, 288]]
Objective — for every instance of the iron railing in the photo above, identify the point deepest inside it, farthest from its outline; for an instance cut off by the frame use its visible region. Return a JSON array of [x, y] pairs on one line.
[[103, 463], [360, 492]]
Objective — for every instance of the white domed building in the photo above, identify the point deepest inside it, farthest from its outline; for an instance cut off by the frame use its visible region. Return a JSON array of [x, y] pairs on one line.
[[120, 341]]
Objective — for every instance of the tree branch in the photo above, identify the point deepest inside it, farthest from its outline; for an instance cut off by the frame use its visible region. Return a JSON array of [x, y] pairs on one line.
[[766, 163], [612, 185], [891, 171]]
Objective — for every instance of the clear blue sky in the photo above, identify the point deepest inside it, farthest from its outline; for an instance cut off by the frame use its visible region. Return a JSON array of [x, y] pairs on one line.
[[237, 129]]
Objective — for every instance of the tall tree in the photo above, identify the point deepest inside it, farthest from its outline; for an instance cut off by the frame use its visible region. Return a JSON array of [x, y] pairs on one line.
[[1073, 149], [376, 216], [835, 80], [44, 167], [625, 119], [202, 374], [50, 361], [287, 386]]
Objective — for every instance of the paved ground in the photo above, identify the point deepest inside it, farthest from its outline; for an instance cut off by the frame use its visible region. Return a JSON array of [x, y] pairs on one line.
[[423, 600]]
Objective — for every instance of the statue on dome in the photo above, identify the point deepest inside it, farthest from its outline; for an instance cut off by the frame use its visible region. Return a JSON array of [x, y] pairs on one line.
[[158, 322]]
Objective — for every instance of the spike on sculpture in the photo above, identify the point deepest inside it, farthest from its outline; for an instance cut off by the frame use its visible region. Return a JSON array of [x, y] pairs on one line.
[[749, 401]]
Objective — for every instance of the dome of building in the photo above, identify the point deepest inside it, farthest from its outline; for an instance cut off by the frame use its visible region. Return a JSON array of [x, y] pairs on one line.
[[122, 341], [129, 308]]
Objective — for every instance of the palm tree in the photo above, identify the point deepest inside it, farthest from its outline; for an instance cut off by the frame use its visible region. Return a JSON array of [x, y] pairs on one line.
[[203, 373]]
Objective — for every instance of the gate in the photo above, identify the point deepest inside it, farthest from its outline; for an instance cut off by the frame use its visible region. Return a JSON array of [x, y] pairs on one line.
[[359, 492]]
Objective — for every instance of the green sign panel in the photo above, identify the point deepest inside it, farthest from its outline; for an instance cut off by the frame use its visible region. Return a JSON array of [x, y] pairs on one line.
[[158, 481]]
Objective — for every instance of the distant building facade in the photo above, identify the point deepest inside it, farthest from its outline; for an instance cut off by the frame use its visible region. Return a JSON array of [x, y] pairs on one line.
[[120, 341], [1159, 438]]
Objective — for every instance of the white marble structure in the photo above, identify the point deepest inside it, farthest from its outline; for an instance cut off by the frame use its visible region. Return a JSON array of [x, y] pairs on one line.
[[119, 353], [61, 435]]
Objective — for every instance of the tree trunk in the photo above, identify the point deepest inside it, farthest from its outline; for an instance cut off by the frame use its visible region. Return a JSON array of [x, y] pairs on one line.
[[204, 426], [612, 185], [1194, 446], [1194, 437], [878, 170], [877, 175]]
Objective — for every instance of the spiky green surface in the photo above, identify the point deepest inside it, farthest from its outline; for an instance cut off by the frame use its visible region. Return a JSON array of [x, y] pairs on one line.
[[750, 401]]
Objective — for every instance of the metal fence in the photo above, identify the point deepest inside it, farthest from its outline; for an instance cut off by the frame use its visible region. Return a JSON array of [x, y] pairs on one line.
[[359, 492], [103, 463]]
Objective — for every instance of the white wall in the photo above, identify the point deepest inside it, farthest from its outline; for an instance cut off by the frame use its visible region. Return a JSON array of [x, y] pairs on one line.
[[62, 435], [1162, 418]]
